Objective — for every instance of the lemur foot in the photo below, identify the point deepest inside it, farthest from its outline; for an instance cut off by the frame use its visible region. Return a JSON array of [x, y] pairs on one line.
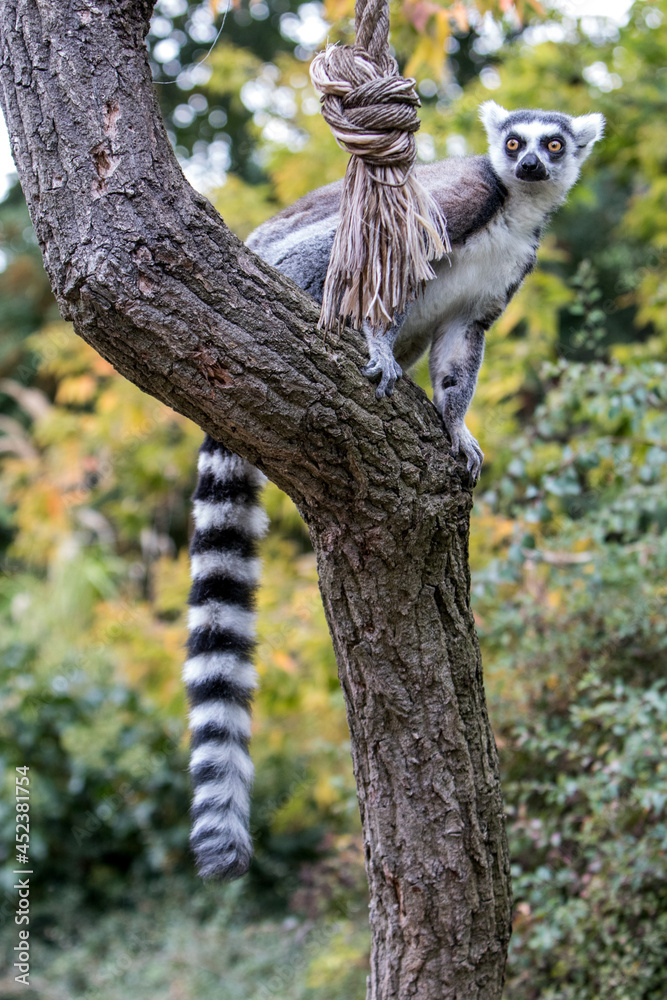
[[463, 441], [388, 369]]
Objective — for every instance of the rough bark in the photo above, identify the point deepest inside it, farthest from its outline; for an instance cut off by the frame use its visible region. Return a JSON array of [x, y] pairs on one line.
[[151, 277]]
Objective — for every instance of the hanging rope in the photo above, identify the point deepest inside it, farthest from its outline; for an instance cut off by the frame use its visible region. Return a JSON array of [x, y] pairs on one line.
[[390, 226]]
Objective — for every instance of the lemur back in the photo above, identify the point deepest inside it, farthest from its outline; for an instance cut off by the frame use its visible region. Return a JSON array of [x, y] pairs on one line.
[[496, 207]]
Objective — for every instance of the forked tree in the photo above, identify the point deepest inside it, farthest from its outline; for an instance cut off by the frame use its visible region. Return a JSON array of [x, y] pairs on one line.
[[151, 277]]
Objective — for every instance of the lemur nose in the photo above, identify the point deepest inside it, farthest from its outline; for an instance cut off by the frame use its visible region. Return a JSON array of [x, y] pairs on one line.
[[531, 168]]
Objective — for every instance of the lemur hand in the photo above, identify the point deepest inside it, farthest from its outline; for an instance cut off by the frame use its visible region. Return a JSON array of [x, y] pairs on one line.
[[383, 362], [388, 369]]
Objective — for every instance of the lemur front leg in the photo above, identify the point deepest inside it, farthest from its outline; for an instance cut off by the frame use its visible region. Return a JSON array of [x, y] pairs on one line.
[[383, 362], [456, 356]]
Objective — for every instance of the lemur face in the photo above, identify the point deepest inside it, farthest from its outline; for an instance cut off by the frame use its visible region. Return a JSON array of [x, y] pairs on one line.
[[544, 149]]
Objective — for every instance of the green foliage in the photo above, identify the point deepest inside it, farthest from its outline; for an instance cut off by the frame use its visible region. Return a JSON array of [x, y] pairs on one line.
[[574, 635], [181, 36], [100, 806], [183, 939], [25, 295], [588, 839]]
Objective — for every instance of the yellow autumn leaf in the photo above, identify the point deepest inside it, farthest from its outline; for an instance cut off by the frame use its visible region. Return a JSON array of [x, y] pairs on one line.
[[429, 54]]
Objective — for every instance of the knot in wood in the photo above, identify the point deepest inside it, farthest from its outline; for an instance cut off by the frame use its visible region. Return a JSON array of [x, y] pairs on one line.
[[370, 108]]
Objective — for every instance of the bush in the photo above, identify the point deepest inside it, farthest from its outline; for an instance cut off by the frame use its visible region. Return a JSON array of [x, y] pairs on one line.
[[108, 781], [574, 625]]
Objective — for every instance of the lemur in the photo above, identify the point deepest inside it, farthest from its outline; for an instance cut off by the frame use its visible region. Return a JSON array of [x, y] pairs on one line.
[[496, 207]]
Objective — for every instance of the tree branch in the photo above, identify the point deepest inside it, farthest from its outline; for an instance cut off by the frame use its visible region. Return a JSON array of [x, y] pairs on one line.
[[149, 274], [151, 277]]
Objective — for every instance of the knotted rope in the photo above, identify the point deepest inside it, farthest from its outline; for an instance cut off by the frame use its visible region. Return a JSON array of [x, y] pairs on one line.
[[390, 226]]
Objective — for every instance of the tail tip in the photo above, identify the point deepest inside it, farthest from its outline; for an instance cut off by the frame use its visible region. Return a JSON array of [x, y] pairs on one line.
[[222, 865]]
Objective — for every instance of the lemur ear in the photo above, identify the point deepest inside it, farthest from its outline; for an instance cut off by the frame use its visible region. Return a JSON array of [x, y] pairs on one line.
[[492, 116], [587, 130]]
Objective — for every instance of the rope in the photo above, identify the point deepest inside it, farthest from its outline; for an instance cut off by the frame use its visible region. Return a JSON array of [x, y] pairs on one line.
[[390, 226]]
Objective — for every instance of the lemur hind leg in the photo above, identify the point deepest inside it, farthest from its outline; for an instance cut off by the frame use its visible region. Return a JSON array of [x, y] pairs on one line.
[[456, 356], [382, 361]]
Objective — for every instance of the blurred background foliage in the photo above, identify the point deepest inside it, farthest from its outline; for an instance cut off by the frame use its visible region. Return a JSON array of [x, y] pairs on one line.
[[568, 550]]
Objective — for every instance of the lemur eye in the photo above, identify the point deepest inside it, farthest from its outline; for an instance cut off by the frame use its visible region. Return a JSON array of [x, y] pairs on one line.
[[512, 145], [555, 146]]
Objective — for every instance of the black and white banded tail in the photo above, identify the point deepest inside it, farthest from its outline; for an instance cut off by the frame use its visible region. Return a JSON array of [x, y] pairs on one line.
[[219, 674]]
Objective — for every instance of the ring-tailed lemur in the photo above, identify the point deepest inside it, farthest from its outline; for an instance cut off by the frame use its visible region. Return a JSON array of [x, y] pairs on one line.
[[496, 207]]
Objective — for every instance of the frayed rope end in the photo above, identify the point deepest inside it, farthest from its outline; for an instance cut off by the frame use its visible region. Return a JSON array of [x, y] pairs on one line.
[[390, 228]]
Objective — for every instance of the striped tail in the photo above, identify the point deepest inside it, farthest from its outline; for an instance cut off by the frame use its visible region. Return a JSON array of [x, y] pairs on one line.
[[219, 674]]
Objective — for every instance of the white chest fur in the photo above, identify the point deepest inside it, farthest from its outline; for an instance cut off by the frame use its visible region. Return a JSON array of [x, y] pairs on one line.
[[481, 271]]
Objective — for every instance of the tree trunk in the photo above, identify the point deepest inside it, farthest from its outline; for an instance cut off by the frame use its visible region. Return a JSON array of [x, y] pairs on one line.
[[151, 277]]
